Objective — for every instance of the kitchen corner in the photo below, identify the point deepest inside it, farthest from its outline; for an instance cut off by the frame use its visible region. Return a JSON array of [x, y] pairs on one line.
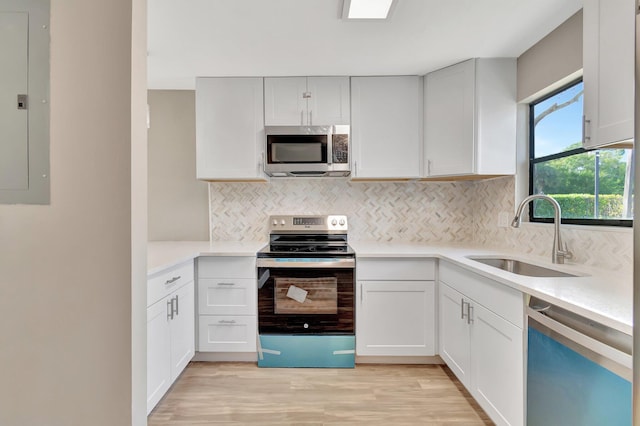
[[162, 255], [602, 294]]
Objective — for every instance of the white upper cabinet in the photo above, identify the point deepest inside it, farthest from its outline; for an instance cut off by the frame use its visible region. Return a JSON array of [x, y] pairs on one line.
[[470, 119], [608, 71], [301, 101], [229, 129], [386, 127]]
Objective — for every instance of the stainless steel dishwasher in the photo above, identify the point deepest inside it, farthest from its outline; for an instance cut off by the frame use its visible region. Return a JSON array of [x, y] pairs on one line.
[[578, 371]]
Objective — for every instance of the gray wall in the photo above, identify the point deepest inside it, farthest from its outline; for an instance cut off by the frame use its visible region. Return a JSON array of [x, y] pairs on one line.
[[553, 61], [178, 203], [66, 268]]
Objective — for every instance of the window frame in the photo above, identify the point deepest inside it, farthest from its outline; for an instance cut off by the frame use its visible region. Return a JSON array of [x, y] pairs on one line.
[[533, 161]]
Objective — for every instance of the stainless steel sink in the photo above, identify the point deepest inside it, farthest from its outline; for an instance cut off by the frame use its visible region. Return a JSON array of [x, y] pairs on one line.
[[521, 268]]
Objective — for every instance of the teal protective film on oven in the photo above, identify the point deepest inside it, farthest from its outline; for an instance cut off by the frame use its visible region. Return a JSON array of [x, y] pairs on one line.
[[565, 388], [313, 351]]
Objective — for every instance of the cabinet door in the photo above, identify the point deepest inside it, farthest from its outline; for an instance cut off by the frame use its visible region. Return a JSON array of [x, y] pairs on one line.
[[395, 318], [454, 333], [498, 366], [182, 329], [229, 129], [284, 101], [329, 103], [227, 333], [237, 296], [386, 126], [608, 52], [449, 120], [158, 352]]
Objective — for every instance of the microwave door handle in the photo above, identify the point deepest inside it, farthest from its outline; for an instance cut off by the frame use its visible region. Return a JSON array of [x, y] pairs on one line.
[[330, 148]]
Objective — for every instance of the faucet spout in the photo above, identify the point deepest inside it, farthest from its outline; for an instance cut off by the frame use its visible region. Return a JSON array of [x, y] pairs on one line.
[[560, 252]]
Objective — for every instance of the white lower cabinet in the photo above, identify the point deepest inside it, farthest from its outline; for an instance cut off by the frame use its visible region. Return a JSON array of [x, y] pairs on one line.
[[498, 366], [484, 347], [227, 333], [227, 304], [396, 318], [454, 333], [395, 308], [170, 329], [158, 354]]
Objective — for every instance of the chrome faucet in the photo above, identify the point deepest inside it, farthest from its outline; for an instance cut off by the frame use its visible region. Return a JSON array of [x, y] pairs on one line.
[[560, 251]]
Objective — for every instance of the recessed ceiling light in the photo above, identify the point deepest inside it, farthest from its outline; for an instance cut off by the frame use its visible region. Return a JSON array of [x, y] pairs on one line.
[[366, 9]]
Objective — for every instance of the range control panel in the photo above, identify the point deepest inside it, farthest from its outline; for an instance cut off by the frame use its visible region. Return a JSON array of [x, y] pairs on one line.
[[308, 224]]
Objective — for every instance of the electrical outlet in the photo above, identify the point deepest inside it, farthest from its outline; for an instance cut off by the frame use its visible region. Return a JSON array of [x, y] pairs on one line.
[[503, 219]]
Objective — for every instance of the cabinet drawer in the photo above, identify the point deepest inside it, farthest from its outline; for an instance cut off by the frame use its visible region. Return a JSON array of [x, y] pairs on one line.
[[159, 285], [499, 298], [396, 269], [235, 296], [227, 267], [225, 333]]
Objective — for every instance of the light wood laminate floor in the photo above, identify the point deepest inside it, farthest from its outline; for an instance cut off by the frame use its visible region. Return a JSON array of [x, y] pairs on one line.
[[243, 394]]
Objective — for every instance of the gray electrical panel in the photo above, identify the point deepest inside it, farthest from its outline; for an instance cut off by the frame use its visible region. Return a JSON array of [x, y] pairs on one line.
[[24, 102]]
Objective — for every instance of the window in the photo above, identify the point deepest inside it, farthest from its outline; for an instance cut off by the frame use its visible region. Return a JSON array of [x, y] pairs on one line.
[[593, 187]]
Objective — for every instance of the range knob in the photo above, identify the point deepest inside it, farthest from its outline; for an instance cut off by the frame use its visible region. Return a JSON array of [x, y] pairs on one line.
[[341, 222], [275, 222], [334, 222], [282, 222], [306, 325]]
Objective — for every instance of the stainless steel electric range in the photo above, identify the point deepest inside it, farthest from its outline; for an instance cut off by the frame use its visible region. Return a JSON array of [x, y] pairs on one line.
[[306, 283]]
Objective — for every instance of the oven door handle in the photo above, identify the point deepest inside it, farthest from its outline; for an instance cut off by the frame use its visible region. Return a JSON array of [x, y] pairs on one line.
[[320, 263]]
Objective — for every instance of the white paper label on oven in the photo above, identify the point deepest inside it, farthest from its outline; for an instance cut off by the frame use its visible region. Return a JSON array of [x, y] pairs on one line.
[[297, 294]]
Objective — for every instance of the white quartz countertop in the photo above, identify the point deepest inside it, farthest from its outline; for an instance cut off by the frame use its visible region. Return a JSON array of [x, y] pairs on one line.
[[165, 254], [602, 295]]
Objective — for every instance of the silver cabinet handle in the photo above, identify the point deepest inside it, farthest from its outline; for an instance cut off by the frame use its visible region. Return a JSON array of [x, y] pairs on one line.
[[177, 304], [227, 284], [302, 118], [428, 167], [462, 303], [169, 309], [585, 122], [310, 118], [172, 280], [227, 322], [469, 313]]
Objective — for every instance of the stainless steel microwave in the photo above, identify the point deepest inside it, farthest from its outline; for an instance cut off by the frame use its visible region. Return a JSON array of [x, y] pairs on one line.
[[307, 151]]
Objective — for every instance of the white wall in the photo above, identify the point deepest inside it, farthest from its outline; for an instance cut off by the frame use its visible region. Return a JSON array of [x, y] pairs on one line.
[[553, 61], [178, 203], [139, 213], [66, 268]]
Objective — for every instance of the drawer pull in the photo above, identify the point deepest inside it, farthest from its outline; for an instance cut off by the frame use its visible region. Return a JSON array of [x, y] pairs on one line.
[[227, 322], [172, 280], [227, 284]]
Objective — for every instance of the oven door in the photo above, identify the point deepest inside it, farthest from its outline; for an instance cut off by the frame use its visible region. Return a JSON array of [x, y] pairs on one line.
[[306, 296]]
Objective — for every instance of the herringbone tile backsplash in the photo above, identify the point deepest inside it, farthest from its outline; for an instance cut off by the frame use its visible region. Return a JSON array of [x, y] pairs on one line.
[[378, 211], [432, 212], [604, 247]]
